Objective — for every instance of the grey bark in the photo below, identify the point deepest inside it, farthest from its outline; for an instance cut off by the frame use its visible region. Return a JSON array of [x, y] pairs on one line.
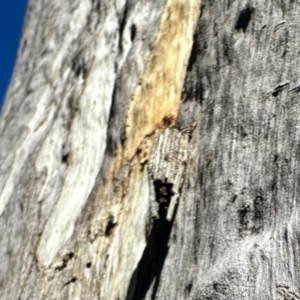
[[77, 129]]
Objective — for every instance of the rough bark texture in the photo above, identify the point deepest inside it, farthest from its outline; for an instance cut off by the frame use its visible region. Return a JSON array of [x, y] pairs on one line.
[[94, 83], [166, 167]]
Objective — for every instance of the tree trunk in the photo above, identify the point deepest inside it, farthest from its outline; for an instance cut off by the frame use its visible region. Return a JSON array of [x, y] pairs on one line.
[[94, 84]]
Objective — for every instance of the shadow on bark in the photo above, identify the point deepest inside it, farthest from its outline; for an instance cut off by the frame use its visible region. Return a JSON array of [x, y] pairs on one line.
[[151, 264]]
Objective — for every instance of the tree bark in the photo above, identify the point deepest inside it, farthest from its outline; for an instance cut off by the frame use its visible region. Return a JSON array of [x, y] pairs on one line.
[[94, 84]]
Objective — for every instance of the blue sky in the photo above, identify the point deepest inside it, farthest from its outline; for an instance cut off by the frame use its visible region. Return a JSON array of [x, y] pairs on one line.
[[12, 13]]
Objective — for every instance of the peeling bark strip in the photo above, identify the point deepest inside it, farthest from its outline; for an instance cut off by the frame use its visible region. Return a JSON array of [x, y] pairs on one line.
[[166, 167]]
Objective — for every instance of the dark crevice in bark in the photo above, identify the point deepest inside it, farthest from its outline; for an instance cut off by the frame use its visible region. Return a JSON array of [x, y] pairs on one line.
[[72, 280], [65, 158], [244, 18], [67, 257], [295, 90], [123, 19], [194, 54], [111, 224], [115, 135], [164, 193], [133, 32], [151, 264], [279, 89]]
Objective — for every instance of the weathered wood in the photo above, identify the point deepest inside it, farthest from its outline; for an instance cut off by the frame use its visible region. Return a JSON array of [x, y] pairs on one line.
[[53, 139], [73, 190], [236, 233], [93, 84], [166, 166]]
